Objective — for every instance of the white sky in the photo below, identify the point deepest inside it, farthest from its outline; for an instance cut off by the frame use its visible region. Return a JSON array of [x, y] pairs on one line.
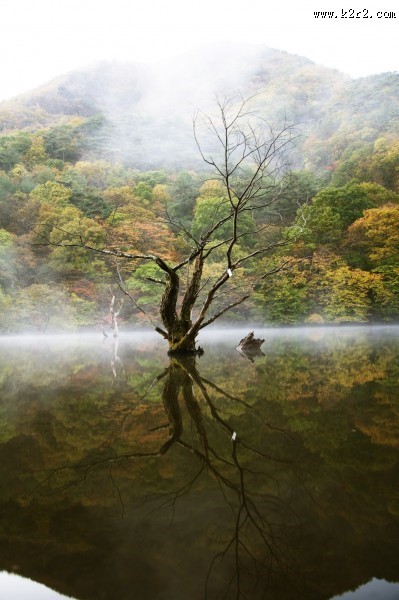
[[40, 39]]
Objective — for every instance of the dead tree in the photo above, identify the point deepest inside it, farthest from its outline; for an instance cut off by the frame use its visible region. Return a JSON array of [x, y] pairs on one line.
[[115, 307], [248, 159]]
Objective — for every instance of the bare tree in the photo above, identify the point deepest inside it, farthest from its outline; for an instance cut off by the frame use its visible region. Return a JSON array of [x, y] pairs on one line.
[[248, 159]]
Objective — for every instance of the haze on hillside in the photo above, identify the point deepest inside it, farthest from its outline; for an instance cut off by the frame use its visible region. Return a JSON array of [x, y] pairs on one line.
[[148, 111], [43, 39]]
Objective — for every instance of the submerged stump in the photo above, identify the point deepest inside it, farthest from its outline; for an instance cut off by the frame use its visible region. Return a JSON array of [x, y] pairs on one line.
[[249, 347], [250, 343]]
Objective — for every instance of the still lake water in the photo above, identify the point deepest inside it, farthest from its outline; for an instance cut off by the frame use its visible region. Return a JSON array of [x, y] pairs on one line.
[[126, 475]]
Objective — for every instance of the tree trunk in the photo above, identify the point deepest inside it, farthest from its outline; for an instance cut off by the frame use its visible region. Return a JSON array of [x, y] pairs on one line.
[[179, 333], [180, 342]]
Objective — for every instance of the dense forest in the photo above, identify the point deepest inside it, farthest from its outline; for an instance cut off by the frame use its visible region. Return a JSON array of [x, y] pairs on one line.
[[104, 154]]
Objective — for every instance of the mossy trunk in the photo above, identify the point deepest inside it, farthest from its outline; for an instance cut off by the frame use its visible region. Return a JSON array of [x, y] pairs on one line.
[[182, 339], [180, 333]]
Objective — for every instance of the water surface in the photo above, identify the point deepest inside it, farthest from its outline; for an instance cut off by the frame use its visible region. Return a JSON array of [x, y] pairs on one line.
[[126, 475]]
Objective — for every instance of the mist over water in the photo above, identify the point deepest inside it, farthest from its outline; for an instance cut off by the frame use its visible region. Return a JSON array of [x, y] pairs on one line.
[[213, 336]]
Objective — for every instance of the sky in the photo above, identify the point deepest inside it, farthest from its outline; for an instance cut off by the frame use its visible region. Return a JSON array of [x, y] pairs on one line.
[[41, 39], [15, 587]]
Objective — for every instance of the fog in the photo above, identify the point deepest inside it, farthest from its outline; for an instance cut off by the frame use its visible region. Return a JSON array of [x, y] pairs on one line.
[[149, 108], [44, 41], [226, 334]]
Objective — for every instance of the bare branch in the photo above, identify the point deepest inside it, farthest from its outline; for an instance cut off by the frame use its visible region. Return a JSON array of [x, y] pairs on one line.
[[224, 310]]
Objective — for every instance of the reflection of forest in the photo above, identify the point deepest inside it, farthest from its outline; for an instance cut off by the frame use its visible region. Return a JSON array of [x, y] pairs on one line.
[[121, 477]]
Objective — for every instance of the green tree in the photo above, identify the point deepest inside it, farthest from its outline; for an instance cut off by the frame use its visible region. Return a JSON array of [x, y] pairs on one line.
[[376, 163], [143, 191], [12, 149], [7, 278], [61, 143], [184, 191], [332, 210], [39, 307], [285, 298]]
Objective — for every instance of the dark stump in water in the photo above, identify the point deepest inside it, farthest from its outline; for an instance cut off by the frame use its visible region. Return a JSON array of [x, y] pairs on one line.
[[249, 347], [250, 343]]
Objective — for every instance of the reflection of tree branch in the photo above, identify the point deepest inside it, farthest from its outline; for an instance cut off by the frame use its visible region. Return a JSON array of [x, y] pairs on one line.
[[86, 467], [117, 491], [255, 547], [115, 360], [184, 490], [249, 406], [170, 397], [252, 529], [128, 410], [223, 393]]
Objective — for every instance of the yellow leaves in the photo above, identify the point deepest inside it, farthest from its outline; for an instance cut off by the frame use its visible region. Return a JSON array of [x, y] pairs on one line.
[[65, 220], [120, 196], [52, 193], [324, 289], [18, 171], [315, 319], [326, 372], [160, 193], [212, 188], [378, 232], [37, 152], [76, 121], [96, 172], [344, 293], [134, 225], [381, 426], [59, 220]]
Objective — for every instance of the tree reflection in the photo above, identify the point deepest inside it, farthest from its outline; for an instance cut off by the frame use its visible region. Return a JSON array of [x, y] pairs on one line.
[[180, 480], [254, 544]]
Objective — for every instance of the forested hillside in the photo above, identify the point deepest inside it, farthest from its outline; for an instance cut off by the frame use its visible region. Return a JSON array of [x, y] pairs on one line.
[[103, 155]]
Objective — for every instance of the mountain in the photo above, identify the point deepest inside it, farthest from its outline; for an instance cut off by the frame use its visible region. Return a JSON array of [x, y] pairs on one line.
[[142, 114]]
